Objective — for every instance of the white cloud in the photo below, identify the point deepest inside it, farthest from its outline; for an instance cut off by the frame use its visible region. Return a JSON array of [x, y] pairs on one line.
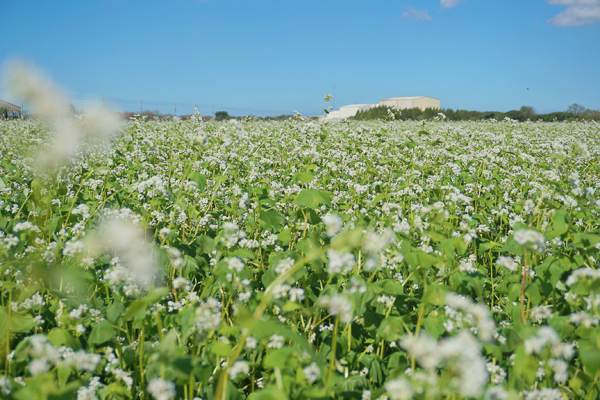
[[419, 15], [578, 12], [449, 3]]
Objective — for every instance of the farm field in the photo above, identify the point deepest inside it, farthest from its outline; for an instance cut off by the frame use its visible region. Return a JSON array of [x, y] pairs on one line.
[[300, 260]]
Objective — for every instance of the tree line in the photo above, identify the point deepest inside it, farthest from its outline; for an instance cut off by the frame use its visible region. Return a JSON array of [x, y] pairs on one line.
[[575, 112]]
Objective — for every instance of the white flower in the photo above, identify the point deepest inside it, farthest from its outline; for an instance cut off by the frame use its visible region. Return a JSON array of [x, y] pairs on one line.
[[333, 224], [175, 257], [485, 324], [583, 318], [540, 313], [544, 394], [387, 300], [164, 232], [544, 336], [181, 283], [337, 304], [22, 226], [507, 262], [128, 242], [240, 367], [312, 372], [5, 386], [161, 389], [399, 389], [251, 343], [82, 209], [496, 393], [461, 353], [561, 370], [530, 237], [339, 263], [275, 342], [38, 366], [284, 265], [72, 248], [41, 94], [235, 263]]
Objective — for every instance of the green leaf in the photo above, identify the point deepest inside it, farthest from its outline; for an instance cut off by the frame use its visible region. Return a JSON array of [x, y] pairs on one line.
[[589, 354], [434, 326], [585, 239], [101, 333], [220, 179], [221, 349], [489, 245], [391, 329], [436, 295], [288, 307], [278, 358], [379, 197], [59, 337], [114, 311], [513, 247], [311, 198], [271, 394], [271, 217], [303, 177], [205, 244], [285, 236], [116, 390], [390, 286], [199, 179], [560, 223]]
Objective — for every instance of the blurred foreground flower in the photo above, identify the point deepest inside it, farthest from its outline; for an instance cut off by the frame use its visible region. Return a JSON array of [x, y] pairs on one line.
[[43, 95], [133, 263], [461, 353]]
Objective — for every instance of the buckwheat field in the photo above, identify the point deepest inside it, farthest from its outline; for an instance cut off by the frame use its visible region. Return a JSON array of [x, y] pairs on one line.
[[299, 260]]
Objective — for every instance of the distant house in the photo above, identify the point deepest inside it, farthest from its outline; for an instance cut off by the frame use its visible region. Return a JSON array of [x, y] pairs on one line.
[[402, 103], [7, 109]]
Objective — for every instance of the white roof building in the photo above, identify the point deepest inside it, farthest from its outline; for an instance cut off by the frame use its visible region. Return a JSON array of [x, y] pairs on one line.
[[421, 102], [402, 103]]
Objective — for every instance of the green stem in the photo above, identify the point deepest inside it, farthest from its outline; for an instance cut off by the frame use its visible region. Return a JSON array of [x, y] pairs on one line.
[[332, 360]]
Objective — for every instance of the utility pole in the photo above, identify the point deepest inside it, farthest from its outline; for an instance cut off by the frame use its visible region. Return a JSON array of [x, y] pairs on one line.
[[175, 105]]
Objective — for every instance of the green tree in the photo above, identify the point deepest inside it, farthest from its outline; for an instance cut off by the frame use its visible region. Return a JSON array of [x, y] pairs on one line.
[[528, 112], [221, 115], [576, 109]]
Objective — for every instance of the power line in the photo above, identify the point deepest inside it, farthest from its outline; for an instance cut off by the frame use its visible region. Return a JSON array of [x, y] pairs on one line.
[[145, 102]]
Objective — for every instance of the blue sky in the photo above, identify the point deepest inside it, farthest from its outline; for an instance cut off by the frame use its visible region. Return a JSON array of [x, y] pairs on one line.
[[280, 55]]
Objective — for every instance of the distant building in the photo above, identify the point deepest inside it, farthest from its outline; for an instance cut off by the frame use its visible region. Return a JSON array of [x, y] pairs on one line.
[[421, 102], [351, 110], [402, 103], [9, 109]]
